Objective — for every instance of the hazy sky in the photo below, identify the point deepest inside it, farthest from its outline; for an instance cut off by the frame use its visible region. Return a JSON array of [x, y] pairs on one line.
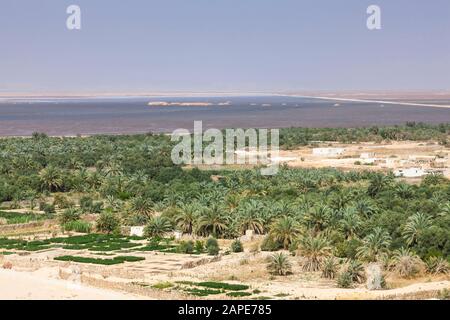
[[201, 45]]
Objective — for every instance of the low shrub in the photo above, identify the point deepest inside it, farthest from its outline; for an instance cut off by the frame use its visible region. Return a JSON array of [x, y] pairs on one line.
[[406, 263], [330, 268], [69, 215], [158, 227], [86, 203], [186, 247], [437, 265], [269, 244], [78, 226], [355, 270], [202, 292], [96, 207], [62, 202], [162, 285], [223, 285], [48, 208], [42, 205], [238, 294], [199, 246], [157, 247], [212, 247], [279, 264], [108, 222], [444, 294], [344, 280], [237, 246]]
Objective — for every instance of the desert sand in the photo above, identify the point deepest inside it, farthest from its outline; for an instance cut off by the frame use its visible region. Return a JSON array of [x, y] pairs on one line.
[[44, 285]]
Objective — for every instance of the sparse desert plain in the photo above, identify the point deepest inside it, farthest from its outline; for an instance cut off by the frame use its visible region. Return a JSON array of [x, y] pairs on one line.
[[175, 276]]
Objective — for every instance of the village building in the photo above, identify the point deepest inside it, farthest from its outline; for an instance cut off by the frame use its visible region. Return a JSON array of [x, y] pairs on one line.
[[330, 152], [367, 155], [410, 172], [421, 159]]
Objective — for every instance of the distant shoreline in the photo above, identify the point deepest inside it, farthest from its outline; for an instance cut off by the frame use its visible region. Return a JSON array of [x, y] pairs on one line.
[[366, 94], [413, 104]]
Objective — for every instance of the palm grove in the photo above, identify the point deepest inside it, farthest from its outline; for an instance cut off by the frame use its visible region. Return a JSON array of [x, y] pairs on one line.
[[333, 220]]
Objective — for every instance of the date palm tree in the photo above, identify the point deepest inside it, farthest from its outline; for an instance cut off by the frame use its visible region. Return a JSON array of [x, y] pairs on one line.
[[437, 265], [378, 183], [113, 169], [350, 223], [81, 180], [279, 264], [141, 206], [158, 227], [232, 201], [365, 208], [94, 179], [355, 270], [415, 226], [50, 178], [374, 245], [212, 221], [285, 230], [406, 263], [340, 200], [113, 204], [404, 191], [318, 218], [186, 217], [445, 210], [314, 249], [249, 217], [330, 267]]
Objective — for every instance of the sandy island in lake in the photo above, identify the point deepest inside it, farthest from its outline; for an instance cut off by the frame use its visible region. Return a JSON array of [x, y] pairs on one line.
[[186, 104]]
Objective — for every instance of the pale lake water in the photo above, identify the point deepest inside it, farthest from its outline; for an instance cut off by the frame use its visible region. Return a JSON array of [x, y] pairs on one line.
[[133, 115]]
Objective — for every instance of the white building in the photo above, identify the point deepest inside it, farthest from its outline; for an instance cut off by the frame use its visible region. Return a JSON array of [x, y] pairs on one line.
[[137, 231], [390, 163], [367, 155], [328, 151], [410, 173], [368, 160], [282, 159], [422, 159]]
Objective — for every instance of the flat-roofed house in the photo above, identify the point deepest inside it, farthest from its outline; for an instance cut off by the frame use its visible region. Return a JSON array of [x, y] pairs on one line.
[[410, 172], [328, 152]]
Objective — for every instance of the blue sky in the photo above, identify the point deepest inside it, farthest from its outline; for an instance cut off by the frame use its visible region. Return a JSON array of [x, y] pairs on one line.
[[231, 45]]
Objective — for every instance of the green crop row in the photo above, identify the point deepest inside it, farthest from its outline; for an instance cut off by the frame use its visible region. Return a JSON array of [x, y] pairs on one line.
[[115, 260]]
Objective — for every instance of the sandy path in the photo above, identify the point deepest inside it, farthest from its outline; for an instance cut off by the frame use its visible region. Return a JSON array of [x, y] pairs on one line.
[[44, 284], [356, 293]]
